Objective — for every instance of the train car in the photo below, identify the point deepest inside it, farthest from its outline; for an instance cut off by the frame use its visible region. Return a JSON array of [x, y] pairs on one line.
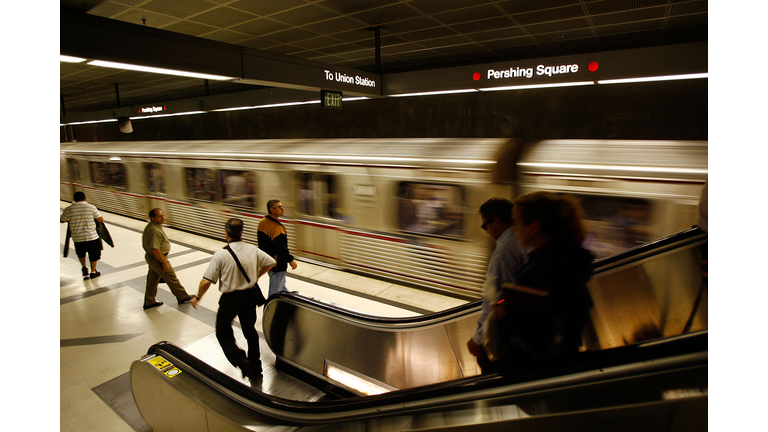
[[401, 209]]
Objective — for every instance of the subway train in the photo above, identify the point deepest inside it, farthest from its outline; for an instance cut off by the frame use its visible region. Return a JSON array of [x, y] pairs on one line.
[[401, 209]]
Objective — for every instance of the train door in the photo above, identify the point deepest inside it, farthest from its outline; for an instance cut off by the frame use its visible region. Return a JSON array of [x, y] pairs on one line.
[[70, 179], [155, 188], [317, 201]]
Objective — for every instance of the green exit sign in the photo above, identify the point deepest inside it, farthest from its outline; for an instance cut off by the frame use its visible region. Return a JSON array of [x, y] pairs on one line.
[[330, 99]]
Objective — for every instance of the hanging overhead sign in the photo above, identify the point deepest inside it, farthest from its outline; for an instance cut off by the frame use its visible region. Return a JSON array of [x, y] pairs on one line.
[[581, 68]]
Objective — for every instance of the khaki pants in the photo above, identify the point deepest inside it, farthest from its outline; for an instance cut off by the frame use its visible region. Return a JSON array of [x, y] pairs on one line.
[[153, 278]]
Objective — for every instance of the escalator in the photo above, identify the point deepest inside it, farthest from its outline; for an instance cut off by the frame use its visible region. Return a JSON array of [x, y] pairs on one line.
[[638, 371]]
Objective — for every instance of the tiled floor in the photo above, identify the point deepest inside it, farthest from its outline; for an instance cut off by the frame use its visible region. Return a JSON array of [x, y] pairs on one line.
[[103, 327]]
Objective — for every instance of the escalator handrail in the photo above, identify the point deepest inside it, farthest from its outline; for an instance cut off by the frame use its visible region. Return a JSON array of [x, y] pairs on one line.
[[680, 239], [359, 317], [675, 352]]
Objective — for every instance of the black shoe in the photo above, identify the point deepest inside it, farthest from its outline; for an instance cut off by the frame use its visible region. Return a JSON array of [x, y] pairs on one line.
[[187, 300], [153, 305], [94, 275], [251, 370], [85, 273]]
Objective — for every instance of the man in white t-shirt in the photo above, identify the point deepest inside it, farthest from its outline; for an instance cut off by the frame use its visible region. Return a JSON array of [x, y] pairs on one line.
[[82, 218], [239, 296]]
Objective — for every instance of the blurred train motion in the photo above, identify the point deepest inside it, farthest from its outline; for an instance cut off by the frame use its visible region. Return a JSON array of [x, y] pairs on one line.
[[402, 209]]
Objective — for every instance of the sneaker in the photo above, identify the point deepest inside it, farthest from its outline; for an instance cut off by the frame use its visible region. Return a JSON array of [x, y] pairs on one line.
[[85, 273], [153, 305], [94, 275], [188, 299]]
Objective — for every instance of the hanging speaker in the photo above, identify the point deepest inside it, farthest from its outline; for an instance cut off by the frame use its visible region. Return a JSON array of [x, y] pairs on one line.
[[125, 124]]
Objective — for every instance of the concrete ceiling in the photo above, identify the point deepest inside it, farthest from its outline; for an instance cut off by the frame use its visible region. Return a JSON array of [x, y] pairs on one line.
[[414, 35]]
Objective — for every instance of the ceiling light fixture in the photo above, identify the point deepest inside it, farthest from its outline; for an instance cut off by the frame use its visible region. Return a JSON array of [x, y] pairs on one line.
[[434, 93], [167, 115], [70, 59], [533, 86], [656, 78], [92, 121], [149, 69]]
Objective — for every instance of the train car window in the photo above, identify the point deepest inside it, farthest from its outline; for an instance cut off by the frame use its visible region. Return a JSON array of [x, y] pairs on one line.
[[432, 209], [615, 224], [200, 184], [117, 176], [318, 195], [99, 173], [238, 188], [155, 179], [74, 170]]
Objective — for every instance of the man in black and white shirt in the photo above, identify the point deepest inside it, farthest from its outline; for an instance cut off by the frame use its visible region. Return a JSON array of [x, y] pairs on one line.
[[238, 297], [82, 218]]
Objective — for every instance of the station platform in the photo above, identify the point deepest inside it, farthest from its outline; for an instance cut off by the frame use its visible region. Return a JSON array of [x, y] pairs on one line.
[[103, 327]]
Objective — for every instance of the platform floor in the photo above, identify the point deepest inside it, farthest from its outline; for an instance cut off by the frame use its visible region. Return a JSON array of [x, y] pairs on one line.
[[103, 327]]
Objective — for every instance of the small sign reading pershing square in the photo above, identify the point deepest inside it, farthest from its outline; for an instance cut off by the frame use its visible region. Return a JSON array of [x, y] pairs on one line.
[[330, 99]]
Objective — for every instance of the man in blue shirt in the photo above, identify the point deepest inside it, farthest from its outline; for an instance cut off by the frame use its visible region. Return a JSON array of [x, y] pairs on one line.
[[507, 258]]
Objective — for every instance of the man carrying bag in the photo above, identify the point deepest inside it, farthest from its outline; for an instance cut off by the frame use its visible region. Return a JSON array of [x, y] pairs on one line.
[[240, 296]]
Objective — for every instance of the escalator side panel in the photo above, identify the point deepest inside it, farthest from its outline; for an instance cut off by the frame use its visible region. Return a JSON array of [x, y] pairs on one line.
[[646, 295], [400, 359], [649, 299], [183, 403]]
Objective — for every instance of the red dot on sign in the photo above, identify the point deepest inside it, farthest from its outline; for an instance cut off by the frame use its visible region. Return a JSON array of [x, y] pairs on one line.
[[593, 66], [476, 76]]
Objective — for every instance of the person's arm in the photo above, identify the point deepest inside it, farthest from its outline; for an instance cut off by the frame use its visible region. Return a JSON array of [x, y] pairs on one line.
[[473, 347], [160, 257], [201, 290], [264, 270], [281, 249], [100, 218]]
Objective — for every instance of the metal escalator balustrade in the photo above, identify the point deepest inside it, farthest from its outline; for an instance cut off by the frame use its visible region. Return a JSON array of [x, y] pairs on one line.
[[646, 292], [655, 386], [627, 382]]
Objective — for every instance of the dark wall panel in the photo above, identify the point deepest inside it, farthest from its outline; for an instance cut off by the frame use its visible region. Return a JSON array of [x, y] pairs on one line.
[[660, 110]]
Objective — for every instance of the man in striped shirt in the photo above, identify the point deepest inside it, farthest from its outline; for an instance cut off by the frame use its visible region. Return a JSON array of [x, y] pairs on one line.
[[80, 216]]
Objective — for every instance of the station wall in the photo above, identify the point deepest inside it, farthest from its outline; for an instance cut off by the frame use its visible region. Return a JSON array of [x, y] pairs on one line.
[[654, 110]]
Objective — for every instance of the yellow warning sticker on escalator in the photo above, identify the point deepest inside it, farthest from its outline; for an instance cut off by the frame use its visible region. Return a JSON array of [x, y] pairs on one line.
[[164, 366], [172, 372], [160, 362]]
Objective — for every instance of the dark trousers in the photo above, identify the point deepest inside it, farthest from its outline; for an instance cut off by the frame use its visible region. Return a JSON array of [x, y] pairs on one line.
[[243, 305], [486, 366]]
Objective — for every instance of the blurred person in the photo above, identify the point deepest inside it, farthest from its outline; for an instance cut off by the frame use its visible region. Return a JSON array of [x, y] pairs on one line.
[[157, 246], [240, 295], [543, 312], [507, 259], [82, 217], [273, 240], [235, 188]]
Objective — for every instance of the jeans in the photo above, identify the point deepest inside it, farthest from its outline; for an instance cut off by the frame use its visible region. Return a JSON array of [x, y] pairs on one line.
[[276, 282]]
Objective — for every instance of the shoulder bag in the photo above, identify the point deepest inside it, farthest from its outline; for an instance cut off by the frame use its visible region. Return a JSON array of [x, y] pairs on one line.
[[257, 295]]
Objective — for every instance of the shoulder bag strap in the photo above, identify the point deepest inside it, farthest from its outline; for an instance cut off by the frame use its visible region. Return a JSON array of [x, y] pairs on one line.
[[237, 261]]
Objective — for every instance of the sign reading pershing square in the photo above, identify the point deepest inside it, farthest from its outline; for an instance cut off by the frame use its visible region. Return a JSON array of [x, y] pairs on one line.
[[634, 63]]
